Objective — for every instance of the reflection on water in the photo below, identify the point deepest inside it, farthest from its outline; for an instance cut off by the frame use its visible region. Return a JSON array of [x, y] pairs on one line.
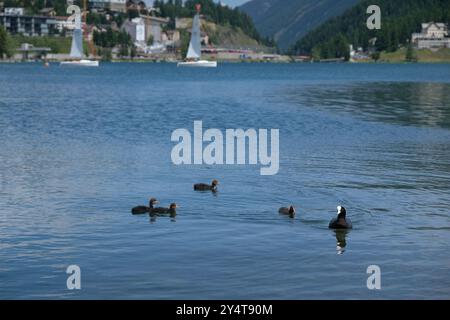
[[155, 216], [341, 240], [423, 104]]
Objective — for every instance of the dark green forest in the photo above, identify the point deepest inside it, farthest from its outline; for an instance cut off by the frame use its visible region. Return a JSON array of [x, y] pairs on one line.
[[399, 19]]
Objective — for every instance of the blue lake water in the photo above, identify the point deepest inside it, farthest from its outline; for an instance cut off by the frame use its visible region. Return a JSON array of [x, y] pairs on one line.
[[80, 146]]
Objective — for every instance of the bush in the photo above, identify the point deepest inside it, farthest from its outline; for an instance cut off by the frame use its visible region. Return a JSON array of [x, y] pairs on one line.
[[410, 55], [376, 56]]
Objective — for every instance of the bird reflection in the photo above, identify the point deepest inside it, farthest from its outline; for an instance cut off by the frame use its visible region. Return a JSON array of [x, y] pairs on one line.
[[341, 240], [155, 216]]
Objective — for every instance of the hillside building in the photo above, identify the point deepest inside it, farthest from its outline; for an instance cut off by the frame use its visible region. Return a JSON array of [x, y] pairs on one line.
[[433, 35], [112, 5], [16, 22]]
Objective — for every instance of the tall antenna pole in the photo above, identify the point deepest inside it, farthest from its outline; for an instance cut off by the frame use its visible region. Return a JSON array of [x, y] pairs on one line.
[[84, 18], [90, 43]]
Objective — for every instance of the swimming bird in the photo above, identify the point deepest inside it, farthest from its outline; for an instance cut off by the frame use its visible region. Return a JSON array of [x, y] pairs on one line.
[[206, 187], [340, 222], [144, 209], [287, 211], [172, 210]]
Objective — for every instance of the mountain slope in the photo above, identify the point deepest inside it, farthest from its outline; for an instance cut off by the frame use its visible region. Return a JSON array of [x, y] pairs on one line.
[[288, 20], [399, 18]]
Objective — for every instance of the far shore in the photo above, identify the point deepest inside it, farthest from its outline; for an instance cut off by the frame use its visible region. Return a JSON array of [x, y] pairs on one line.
[[6, 61], [419, 56], [397, 57]]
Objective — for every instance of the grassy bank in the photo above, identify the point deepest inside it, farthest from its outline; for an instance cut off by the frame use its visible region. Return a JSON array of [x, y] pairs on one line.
[[424, 55], [227, 36], [57, 44]]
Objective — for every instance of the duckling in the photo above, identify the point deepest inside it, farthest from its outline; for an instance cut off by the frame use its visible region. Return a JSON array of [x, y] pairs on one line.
[[172, 210], [287, 211], [206, 187], [340, 222], [144, 209]]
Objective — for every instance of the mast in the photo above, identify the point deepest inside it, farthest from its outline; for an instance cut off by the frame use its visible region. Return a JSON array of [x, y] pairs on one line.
[[76, 50], [194, 50], [85, 31], [84, 20]]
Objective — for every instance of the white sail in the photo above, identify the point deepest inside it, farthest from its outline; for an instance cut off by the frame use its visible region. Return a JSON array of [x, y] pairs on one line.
[[194, 51], [76, 51]]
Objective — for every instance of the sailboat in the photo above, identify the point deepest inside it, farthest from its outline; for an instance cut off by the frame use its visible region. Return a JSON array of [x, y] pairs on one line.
[[195, 49], [76, 50]]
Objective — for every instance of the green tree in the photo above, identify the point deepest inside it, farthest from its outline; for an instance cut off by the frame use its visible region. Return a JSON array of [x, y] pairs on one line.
[[132, 13], [184, 39], [124, 52], [376, 56], [5, 49], [106, 54], [341, 47], [316, 53], [410, 55], [133, 52]]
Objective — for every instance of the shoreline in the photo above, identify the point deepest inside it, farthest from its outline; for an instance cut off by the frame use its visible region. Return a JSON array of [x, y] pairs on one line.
[[441, 56], [4, 61]]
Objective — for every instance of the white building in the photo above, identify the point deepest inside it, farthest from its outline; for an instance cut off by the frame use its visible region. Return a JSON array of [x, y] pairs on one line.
[[143, 28], [136, 29], [13, 11], [113, 5], [16, 22], [433, 35]]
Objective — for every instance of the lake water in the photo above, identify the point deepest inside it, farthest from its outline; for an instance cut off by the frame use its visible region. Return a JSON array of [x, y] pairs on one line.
[[80, 146]]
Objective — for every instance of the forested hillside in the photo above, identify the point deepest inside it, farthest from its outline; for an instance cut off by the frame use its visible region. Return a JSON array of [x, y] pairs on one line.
[[400, 18], [286, 21]]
